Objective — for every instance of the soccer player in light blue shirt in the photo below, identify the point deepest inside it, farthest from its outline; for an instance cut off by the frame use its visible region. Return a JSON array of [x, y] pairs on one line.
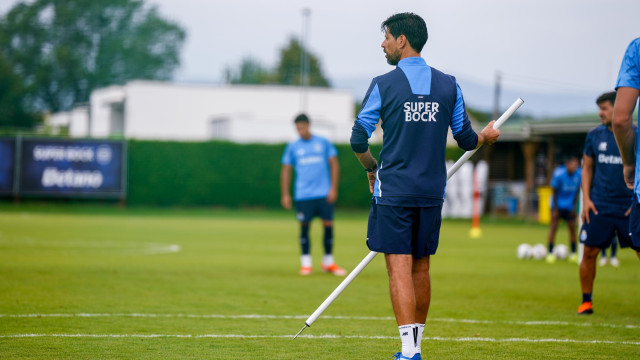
[[315, 161], [566, 186], [627, 90]]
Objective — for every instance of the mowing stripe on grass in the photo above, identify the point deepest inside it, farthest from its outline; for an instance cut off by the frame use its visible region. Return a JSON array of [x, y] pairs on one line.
[[297, 317], [325, 336]]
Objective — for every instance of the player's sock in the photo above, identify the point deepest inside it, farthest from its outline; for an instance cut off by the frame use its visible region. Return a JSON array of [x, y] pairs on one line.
[[327, 260], [587, 297], [573, 248], [614, 249], [304, 238], [305, 260], [550, 248], [328, 240], [419, 341], [408, 335]]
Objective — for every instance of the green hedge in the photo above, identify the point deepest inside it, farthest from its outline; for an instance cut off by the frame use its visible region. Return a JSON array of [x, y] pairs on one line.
[[227, 174]]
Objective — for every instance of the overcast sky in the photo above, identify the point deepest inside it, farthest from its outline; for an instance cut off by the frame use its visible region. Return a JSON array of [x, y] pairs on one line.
[[566, 47]]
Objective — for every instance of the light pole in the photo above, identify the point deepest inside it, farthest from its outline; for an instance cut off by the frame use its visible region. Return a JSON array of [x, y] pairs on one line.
[[304, 59]]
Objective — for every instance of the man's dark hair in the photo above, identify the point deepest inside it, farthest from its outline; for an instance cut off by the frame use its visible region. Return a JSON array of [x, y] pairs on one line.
[[410, 25], [570, 157], [608, 96], [301, 118]]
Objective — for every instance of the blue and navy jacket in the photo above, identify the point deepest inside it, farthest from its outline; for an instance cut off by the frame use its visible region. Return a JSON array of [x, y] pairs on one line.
[[416, 104], [608, 191]]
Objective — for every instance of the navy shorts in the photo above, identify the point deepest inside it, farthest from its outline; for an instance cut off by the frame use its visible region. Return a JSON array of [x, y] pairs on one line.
[[634, 226], [404, 230], [566, 215], [602, 229], [306, 210]]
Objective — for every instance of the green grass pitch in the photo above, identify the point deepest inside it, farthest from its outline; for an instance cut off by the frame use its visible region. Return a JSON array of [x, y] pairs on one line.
[[104, 283]]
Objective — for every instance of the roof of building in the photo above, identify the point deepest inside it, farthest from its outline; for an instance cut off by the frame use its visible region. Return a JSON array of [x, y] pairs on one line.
[[520, 129]]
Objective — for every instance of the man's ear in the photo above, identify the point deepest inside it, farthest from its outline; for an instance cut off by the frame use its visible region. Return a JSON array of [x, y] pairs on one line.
[[402, 41]]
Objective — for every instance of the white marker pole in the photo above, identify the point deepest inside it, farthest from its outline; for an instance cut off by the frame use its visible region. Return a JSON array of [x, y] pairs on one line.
[[325, 304]]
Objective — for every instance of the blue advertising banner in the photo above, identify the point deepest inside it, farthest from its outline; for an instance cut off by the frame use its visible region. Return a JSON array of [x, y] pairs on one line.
[[72, 167], [7, 159]]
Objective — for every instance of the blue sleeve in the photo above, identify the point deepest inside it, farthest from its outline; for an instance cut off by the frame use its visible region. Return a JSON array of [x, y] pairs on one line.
[[588, 145], [331, 150], [367, 119], [370, 112], [286, 156], [359, 139], [555, 180], [629, 75], [466, 138]]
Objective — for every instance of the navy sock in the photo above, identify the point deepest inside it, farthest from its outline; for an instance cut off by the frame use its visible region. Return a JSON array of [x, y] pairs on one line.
[[328, 240], [304, 239], [614, 249], [550, 248], [586, 297], [573, 248]]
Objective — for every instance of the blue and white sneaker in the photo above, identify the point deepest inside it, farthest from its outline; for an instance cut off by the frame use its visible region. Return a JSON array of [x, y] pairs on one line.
[[399, 356]]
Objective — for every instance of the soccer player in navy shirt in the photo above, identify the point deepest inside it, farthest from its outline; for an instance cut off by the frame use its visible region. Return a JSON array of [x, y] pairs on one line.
[[316, 190], [566, 186], [417, 104], [606, 200], [627, 90]]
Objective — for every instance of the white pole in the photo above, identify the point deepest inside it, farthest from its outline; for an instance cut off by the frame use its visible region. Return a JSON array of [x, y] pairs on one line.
[[325, 304], [507, 114]]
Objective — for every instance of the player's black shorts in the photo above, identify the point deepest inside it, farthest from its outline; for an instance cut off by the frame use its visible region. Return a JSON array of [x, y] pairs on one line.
[[306, 210], [634, 225], [600, 231], [567, 215], [404, 230]]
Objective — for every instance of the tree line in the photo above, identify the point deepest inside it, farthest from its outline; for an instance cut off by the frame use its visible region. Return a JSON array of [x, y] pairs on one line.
[[54, 53], [286, 71]]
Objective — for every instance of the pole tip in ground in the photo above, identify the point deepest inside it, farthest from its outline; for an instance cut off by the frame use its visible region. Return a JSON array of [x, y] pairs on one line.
[[301, 330]]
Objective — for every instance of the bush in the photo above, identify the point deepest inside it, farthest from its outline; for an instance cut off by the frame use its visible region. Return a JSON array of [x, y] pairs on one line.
[[227, 174]]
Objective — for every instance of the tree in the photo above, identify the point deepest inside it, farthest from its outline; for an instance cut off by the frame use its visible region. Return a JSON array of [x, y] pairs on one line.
[[288, 69], [250, 72], [12, 100], [286, 72], [61, 50]]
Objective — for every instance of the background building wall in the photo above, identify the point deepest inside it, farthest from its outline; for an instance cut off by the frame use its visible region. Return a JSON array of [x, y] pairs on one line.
[[164, 111]]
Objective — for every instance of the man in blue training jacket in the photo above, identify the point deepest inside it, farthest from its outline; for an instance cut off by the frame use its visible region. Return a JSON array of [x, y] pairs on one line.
[[416, 104]]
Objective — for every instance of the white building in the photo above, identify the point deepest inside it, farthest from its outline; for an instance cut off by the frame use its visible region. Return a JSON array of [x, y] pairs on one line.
[[76, 121], [239, 113]]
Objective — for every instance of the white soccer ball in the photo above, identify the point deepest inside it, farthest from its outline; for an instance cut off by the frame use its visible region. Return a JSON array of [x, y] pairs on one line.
[[561, 251], [539, 252], [524, 251]]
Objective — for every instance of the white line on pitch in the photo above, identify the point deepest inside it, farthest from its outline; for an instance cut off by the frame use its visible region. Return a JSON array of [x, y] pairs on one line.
[[126, 248], [326, 336], [266, 316]]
